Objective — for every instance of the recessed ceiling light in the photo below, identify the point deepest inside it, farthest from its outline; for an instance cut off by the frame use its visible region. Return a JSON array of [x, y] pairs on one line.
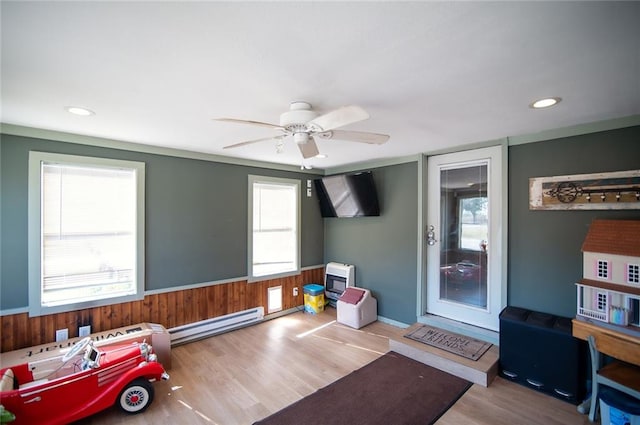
[[321, 156], [545, 103], [79, 111]]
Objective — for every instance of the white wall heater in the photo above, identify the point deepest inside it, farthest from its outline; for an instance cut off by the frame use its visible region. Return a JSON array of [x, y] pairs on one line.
[[214, 326]]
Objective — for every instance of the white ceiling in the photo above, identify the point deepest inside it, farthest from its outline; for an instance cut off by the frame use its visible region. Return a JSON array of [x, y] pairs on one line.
[[432, 75]]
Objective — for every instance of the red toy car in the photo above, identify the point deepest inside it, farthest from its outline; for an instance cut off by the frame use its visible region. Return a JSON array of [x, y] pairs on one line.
[[84, 381]]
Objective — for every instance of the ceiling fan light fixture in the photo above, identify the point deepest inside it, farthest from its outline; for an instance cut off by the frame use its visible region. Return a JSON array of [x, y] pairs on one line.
[[301, 138], [545, 103], [297, 116], [77, 110]]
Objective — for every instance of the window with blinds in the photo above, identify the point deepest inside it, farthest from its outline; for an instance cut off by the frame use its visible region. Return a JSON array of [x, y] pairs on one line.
[[274, 227], [90, 246]]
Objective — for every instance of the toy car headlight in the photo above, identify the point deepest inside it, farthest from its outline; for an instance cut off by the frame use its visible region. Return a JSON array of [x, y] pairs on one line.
[[145, 349], [153, 358]]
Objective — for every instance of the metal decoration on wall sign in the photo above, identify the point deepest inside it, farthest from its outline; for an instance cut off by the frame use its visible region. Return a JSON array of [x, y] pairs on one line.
[[618, 190]]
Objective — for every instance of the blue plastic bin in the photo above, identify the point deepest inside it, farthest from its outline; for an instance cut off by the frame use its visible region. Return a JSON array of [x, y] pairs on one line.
[[618, 408], [313, 298]]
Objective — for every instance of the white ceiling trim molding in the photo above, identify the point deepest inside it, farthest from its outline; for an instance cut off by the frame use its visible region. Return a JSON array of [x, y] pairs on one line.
[[468, 147], [411, 158], [576, 130], [358, 166], [58, 136]]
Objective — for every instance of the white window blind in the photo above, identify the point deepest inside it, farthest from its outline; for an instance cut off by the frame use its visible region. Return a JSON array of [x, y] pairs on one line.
[[90, 233]]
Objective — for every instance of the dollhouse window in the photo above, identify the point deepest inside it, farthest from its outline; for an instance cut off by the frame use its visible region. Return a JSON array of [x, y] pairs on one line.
[[603, 269], [601, 301], [633, 273]]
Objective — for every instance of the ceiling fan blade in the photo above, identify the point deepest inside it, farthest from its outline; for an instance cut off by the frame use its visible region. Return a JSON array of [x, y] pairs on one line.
[[258, 123], [355, 136], [308, 149], [249, 142], [338, 118]]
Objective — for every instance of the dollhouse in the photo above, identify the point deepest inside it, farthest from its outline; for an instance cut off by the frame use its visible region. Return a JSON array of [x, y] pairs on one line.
[[610, 288]]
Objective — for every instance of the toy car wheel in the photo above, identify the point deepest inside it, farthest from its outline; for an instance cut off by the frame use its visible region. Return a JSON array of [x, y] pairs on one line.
[[136, 396]]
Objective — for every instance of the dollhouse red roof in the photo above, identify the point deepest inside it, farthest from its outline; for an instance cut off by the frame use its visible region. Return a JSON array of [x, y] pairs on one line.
[[620, 237]]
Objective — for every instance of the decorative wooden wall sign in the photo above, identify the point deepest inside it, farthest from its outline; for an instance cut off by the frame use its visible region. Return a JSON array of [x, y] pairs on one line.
[[619, 190]]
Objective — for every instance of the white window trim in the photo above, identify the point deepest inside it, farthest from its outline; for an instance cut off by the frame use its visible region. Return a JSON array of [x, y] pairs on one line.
[[272, 180], [35, 230]]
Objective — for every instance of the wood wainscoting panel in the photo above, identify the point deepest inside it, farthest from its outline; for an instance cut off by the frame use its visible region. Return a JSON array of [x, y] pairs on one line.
[[170, 309]]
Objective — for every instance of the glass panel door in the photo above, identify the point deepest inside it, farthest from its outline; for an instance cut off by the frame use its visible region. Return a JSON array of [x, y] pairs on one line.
[[464, 207]]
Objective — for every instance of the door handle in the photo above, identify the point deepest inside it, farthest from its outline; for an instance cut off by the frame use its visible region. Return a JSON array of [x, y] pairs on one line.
[[431, 236], [564, 394], [536, 384], [33, 399]]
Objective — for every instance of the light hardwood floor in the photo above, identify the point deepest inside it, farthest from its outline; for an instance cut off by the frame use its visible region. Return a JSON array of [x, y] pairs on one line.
[[245, 375]]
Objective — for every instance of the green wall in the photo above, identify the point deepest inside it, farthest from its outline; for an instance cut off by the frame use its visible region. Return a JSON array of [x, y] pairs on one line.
[[383, 249], [196, 217], [196, 222], [544, 259]]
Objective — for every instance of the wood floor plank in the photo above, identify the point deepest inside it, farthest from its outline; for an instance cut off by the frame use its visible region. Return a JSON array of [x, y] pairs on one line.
[[242, 376]]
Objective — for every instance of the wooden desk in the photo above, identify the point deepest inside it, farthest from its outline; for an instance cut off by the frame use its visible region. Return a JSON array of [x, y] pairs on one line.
[[624, 374]]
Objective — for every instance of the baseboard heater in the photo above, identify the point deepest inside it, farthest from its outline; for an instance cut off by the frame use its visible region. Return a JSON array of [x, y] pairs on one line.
[[214, 326]]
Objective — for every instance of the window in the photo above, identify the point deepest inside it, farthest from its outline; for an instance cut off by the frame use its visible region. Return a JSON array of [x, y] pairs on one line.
[[274, 227], [633, 273], [474, 227], [86, 232], [603, 269]]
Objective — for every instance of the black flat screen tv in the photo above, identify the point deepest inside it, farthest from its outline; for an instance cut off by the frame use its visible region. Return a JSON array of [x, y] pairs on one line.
[[347, 195]]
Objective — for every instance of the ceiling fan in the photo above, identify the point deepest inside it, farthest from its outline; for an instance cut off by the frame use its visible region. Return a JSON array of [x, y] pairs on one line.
[[302, 124]]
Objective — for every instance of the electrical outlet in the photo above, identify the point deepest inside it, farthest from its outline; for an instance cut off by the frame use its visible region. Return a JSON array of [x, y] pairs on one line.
[[295, 292], [62, 334], [84, 330]]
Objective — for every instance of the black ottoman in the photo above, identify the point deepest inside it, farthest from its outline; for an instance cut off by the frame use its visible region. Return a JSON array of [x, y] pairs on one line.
[[539, 351]]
